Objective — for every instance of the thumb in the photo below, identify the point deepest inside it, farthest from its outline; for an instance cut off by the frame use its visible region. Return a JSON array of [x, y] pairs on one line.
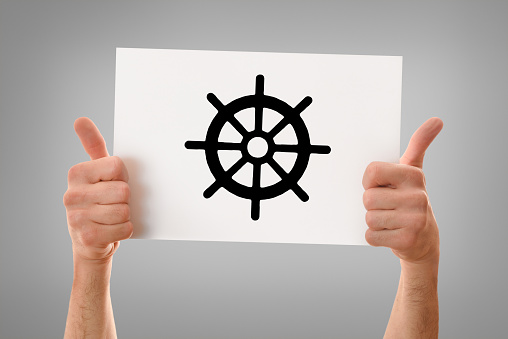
[[91, 138], [420, 141]]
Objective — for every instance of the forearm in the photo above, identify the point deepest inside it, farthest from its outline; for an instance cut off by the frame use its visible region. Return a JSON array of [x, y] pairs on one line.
[[90, 309], [415, 312]]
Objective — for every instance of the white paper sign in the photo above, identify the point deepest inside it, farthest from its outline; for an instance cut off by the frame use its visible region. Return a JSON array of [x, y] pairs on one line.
[[251, 146]]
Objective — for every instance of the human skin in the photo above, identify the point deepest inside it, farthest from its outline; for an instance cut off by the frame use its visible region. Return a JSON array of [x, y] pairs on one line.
[[399, 216], [98, 217]]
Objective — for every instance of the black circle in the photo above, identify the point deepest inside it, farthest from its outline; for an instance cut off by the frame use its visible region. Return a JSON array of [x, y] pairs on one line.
[[287, 181]]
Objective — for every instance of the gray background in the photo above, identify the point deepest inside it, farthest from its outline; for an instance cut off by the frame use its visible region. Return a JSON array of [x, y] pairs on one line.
[[57, 62]]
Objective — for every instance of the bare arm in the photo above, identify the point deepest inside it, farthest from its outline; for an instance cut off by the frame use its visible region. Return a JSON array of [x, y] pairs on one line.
[[90, 310], [98, 217], [400, 217], [415, 312]]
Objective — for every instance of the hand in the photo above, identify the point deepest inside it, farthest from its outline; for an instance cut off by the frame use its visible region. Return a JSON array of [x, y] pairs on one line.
[[97, 199], [399, 214]]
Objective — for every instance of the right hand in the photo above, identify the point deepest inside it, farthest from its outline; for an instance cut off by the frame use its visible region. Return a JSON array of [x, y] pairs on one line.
[[97, 199]]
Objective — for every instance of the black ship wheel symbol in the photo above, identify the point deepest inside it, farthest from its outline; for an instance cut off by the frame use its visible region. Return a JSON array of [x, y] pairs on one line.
[[291, 116]]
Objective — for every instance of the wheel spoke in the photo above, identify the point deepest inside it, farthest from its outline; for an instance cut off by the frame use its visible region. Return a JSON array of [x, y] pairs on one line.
[[194, 144], [212, 98], [214, 187], [236, 167], [258, 122], [279, 127], [237, 125], [256, 186], [254, 209], [287, 148], [300, 193], [219, 145], [318, 149], [234, 146], [256, 177], [302, 105]]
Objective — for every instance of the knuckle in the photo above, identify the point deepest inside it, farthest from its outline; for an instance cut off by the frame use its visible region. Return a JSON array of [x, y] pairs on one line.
[[124, 191], [73, 197], [372, 169], [416, 176], [75, 172], [409, 239], [420, 221], [89, 235], [126, 213], [371, 238], [367, 199], [76, 218], [122, 211], [421, 199], [372, 174], [128, 229], [67, 198], [116, 165], [414, 222], [370, 219], [424, 199]]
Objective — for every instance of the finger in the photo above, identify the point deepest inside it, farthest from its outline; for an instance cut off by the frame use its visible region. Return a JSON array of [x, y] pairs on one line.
[[381, 198], [91, 138], [398, 239], [109, 214], [385, 174], [420, 141], [110, 192], [103, 169], [378, 220], [102, 235], [102, 193]]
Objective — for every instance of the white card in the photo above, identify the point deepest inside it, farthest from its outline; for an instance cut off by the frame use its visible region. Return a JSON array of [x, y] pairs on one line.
[[252, 146]]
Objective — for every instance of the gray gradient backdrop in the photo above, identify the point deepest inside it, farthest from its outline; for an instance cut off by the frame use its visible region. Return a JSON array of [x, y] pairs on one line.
[[57, 61]]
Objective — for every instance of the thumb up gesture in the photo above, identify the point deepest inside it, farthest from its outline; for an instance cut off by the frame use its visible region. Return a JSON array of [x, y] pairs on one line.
[[399, 214], [97, 199]]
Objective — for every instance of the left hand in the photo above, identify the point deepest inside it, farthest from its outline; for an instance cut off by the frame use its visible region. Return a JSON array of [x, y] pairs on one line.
[[399, 214]]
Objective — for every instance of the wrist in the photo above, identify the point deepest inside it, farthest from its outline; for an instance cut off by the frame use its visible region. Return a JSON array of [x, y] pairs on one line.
[[419, 278], [428, 267], [86, 270], [98, 264]]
